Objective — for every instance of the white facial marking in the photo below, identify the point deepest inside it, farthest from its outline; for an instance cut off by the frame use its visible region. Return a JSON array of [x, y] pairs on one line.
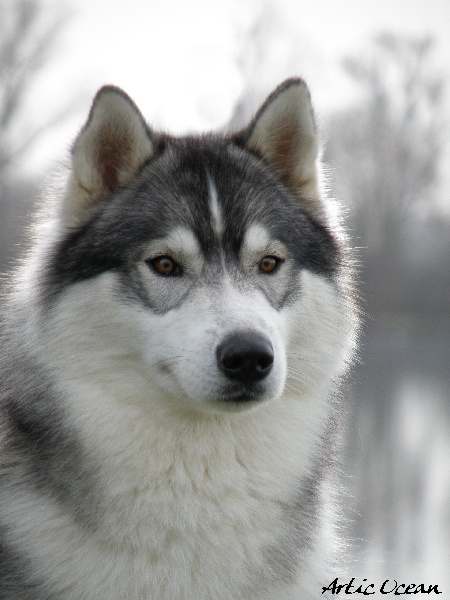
[[258, 242], [180, 242], [257, 239], [214, 207]]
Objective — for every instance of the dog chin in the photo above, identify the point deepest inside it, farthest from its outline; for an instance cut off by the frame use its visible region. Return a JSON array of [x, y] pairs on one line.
[[241, 401], [240, 404]]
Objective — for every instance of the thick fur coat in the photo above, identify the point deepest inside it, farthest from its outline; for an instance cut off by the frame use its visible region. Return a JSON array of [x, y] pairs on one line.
[[172, 351]]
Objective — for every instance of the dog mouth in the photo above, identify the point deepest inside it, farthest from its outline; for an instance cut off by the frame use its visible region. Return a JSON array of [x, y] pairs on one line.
[[245, 395], [240, 400]]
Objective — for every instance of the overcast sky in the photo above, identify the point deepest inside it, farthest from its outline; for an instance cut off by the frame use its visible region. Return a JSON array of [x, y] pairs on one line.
[[179, 60]]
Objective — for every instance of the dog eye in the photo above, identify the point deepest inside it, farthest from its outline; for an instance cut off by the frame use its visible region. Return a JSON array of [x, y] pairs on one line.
[[269, 264], [164, 265]]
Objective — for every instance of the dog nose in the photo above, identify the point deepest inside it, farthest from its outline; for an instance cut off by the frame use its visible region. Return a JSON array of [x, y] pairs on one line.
[[245, 357]]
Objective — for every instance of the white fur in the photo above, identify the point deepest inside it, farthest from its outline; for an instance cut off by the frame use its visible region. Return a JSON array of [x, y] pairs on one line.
[[181, 244], [191, 495], [216, 212], [258, 243]]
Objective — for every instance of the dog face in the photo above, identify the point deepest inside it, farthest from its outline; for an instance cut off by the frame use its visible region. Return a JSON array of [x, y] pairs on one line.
[[192, 261]]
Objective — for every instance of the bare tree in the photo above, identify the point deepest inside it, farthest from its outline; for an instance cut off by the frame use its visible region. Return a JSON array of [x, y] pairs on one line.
[[268, 50], [386, 153], [387, 150], [27, 38], [28, 32]]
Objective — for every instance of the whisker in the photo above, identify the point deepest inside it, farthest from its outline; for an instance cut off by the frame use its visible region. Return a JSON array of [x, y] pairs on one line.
[[175, 358], [292, 388]]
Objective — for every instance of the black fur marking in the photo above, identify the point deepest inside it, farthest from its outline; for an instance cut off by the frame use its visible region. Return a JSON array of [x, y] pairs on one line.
[[300, 518], [300, 525], [15, 571], [51, 457]]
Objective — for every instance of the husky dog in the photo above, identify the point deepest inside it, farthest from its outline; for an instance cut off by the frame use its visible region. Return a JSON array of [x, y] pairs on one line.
[[172, 349]]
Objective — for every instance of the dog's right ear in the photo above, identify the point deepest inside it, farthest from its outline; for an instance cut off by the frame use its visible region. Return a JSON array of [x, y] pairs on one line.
[[109, 151]]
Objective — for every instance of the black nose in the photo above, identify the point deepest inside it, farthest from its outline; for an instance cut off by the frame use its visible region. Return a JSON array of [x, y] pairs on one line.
[[245, 357]]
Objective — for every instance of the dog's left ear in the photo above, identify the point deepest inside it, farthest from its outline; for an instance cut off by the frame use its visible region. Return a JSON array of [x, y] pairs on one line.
[[283, 133], [109, 151]]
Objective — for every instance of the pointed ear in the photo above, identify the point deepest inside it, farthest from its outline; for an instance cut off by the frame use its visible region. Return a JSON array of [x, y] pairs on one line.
[[284, 134], [109, 151]]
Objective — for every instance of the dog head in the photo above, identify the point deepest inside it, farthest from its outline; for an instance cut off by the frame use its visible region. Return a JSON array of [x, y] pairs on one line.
[[203, 266]]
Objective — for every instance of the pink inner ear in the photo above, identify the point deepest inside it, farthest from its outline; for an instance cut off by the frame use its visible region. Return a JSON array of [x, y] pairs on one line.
[[111, 161], [109, 177], [285, 152]]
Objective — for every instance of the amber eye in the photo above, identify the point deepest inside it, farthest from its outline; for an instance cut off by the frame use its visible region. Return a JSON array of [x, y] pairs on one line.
[[269, 264], [164, 265]]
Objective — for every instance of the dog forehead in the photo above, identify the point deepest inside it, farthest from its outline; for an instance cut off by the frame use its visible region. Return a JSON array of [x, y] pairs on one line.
[[223, 180], [218, 192]]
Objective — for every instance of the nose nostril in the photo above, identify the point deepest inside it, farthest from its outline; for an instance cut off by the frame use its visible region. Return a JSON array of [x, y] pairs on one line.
[[264, 362], [233, 362], [245, 357]]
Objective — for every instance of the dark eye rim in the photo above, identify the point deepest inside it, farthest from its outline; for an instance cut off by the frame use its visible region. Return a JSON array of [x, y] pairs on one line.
[[152, 262], [277, 263]]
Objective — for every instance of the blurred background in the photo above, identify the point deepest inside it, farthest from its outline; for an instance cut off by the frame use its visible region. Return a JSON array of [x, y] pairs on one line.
[[379, 75]]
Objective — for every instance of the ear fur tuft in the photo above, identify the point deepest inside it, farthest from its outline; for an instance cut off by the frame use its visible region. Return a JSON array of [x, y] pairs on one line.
[[109, 151]]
